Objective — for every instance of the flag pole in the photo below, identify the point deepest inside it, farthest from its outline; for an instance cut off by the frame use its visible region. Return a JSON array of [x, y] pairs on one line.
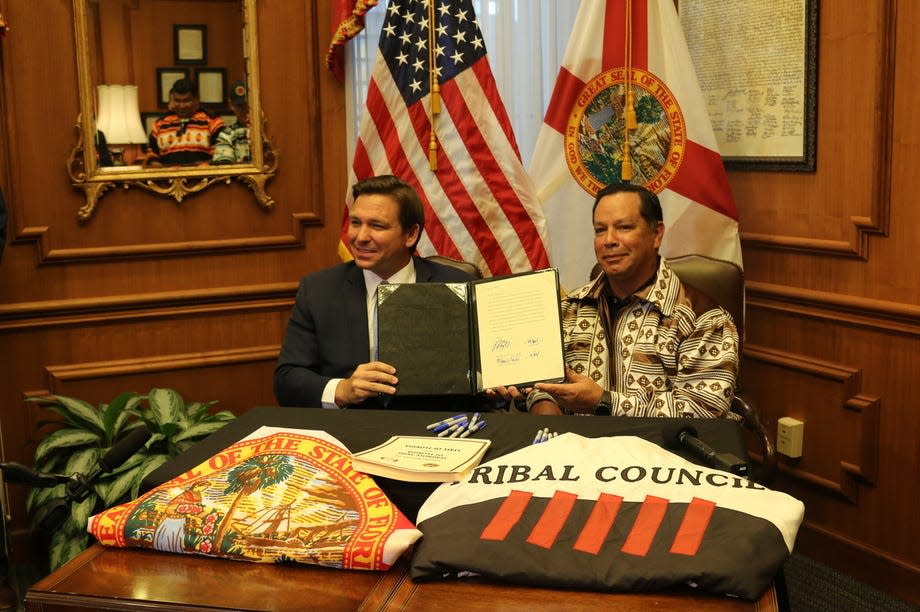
[[435, 88], [629, 122]]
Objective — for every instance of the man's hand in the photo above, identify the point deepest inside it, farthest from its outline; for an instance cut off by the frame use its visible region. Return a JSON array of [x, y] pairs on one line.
[[577, 394], [368, 379], [510, 395]]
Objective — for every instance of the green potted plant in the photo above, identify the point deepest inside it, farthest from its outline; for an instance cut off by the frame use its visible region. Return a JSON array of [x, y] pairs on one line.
[[88, 433]]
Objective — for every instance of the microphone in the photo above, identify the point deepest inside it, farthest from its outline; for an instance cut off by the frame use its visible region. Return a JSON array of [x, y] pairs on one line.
[[680, 435], [118, 454], [79, 486], [21, 474]]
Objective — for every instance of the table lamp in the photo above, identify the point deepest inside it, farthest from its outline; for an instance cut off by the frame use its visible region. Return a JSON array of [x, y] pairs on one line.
[[119, 119]]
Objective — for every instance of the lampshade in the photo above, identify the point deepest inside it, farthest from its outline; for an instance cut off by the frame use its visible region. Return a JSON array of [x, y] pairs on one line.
[[119, 117]]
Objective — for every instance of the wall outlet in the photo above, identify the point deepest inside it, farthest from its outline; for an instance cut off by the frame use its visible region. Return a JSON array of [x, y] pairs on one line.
[[789, 435]]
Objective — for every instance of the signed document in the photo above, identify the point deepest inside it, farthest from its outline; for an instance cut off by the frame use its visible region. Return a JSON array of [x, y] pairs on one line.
[[463, 338], [422, 458]]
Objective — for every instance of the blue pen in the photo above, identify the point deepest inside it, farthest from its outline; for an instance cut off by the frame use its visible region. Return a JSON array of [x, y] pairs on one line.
[[539, 437], [474, 419], [446, 421], [452, 428], [480, 425]]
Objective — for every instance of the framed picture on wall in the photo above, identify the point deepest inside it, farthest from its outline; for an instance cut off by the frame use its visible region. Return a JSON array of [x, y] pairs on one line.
[[759, 79], [165, 79], [190, 43], [212, 86]]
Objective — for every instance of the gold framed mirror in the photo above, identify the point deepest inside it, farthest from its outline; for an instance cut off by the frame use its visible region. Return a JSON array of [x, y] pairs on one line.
[[175, 85]]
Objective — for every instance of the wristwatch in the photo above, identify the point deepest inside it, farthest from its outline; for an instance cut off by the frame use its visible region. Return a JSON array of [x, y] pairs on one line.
[[605, 406]]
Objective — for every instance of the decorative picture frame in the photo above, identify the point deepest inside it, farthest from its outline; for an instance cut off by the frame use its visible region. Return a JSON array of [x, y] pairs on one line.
[[765, 119], [190, 43], [212, 87], [165, 79]]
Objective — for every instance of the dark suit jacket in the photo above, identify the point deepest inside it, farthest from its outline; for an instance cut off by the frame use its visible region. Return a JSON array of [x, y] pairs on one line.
[[327, 334]]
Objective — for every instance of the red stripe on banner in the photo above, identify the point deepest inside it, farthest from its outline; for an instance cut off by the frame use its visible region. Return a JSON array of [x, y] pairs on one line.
[[702, 178], [550, 523], [599, 523], [613, 54], [564, 95], [643, 531], [509, 513], [693, 527]]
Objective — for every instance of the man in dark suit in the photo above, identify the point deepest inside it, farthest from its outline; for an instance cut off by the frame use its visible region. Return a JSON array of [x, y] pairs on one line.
[[327, 358]]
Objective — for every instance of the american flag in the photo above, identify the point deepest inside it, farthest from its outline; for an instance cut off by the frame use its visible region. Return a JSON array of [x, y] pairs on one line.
[[480, 203]]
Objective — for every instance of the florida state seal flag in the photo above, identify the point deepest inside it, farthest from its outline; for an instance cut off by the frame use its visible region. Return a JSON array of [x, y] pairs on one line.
[[434, 118], [627, 108]]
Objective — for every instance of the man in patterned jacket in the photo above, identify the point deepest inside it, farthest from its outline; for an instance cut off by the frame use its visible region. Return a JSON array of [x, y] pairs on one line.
[[638, 341]]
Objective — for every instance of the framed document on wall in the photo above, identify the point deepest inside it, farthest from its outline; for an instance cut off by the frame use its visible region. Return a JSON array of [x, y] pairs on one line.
[[756, 63], [212, 85], [165, 79], [190, 43]]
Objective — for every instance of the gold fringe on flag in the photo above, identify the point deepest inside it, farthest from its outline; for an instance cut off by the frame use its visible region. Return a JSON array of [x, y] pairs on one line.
[[435, 88]]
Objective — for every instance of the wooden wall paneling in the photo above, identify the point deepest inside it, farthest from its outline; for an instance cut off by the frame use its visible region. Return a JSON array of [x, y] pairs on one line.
[[842, 422], [311, 129], [850, 374]]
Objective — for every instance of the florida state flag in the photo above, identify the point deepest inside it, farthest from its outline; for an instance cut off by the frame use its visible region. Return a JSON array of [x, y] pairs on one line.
[[627, 107], [279, 495], [607, 514]]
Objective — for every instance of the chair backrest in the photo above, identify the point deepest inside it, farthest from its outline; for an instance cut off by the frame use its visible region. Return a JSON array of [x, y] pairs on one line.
[[723, 281], [466, 266]]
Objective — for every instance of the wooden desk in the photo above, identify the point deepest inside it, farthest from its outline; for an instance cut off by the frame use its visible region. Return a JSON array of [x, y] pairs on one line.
[[126, 579]]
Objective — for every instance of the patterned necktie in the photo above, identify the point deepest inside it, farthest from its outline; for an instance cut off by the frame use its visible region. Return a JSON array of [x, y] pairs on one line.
[[375, 351]]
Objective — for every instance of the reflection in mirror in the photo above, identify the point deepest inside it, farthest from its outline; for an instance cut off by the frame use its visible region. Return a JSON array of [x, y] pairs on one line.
[[169, 98]]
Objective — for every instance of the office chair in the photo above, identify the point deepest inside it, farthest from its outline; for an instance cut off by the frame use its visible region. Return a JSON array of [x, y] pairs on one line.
[[466, 266], [723, 281]]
